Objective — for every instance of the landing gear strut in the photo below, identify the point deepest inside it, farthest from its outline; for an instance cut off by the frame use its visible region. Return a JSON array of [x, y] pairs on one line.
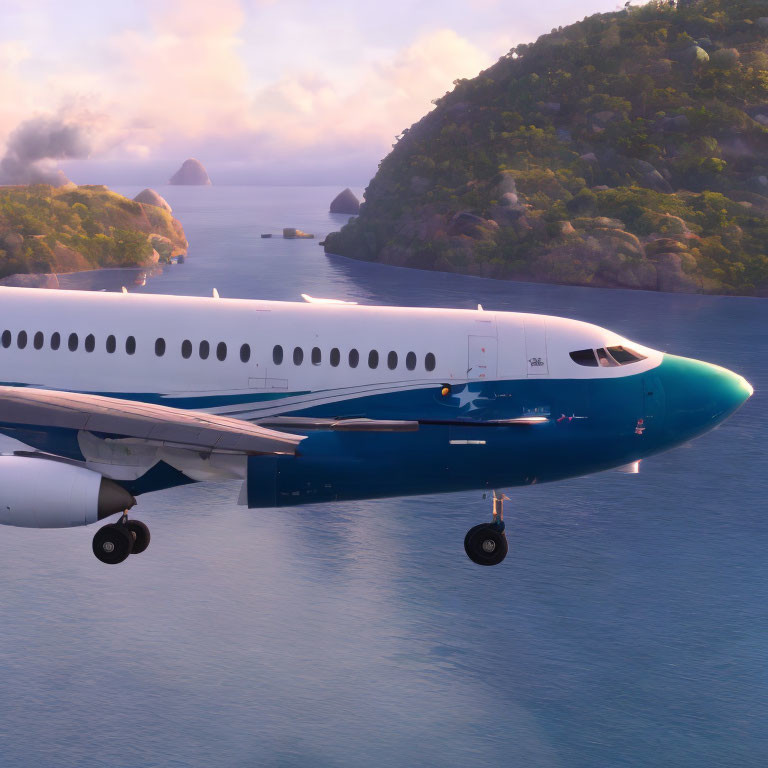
[[114, 542], [486, 544]]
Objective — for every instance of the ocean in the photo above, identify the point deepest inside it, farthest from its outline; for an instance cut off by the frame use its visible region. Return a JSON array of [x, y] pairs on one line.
[[627, 627]]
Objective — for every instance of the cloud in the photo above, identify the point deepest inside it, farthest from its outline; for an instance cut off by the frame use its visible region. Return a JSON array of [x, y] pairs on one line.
[[305, 108], [180, 83]]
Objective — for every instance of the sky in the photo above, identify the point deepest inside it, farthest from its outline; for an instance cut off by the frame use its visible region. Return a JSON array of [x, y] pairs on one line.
[[260, 91]]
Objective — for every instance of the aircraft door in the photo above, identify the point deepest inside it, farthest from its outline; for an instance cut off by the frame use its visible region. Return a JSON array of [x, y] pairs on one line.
[[481, 360], [536, 346]]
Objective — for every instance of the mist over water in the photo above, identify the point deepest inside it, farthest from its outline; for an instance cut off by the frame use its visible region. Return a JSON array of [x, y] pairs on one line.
[[626, 627]]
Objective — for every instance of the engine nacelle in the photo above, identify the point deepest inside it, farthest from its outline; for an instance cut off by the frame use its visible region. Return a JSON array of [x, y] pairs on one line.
[[40, 493]]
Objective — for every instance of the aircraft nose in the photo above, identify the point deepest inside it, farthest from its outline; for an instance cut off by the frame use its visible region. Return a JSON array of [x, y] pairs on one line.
[[700, 395]]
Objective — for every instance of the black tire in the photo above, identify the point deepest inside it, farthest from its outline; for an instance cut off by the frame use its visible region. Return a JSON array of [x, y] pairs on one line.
[[485, 544], [140, 534], [112, 544]]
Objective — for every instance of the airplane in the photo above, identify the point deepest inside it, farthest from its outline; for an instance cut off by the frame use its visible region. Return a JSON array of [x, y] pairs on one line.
[[107, 396]]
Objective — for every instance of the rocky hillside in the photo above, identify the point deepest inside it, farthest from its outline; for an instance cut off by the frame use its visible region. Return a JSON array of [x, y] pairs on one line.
[[69, 229], [629, 149]]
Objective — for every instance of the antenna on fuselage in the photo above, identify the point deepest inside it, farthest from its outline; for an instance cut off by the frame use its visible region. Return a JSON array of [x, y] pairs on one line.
[[215, 294], [125, 290], [480, 308]]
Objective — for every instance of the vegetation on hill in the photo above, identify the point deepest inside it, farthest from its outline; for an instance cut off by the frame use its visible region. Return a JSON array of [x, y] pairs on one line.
[[68, 229], [628, 149]]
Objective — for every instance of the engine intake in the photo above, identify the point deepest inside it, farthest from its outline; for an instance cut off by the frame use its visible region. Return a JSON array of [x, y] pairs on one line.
[[43, 493]]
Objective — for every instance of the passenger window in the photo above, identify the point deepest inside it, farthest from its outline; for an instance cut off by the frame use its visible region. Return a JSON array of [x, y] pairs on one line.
[[204, 350], [130, 345], [186, 349], [354, 358], [373, 359], [160, 347], [298, 356], [277, 354], [624, 355], [73, 342], [90, 343], [584, 357], [39, 340], [221, 351], [7, 339], [21, 339], [111, 344], [335, 357], [604, 359], [55, 340], [430, 362], [317, 357], [392, 361], [410, 361], [245, 353]]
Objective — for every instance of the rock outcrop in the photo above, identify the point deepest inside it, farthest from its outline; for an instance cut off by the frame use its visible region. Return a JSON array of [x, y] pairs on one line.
[[191, 173], [345, 202], [150, 197]]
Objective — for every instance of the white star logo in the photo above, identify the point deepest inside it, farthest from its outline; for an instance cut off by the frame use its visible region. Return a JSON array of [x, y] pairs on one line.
[[468, 398]]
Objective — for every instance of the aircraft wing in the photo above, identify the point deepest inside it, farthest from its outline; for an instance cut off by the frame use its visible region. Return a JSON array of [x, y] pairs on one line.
[[154, 424]]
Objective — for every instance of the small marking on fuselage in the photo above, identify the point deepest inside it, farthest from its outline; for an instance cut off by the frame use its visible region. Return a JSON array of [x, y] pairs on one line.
[[467, 442]]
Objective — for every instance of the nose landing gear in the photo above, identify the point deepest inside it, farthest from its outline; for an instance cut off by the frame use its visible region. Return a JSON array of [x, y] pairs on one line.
[[486, 544], [114, 542]]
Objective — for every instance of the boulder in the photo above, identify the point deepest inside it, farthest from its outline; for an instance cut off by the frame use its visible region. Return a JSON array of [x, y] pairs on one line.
[[12, 242], [41, 280], [191, 173], [345, 202], [670, 275], [725, 58], [150, 197], [471, 225], [694, 55], [674, 123]]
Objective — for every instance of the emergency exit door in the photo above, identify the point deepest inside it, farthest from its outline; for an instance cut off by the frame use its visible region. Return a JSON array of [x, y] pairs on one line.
[[481, 360]]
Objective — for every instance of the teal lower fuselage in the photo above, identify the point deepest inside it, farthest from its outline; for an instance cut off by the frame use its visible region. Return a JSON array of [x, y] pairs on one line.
[[592, 425]]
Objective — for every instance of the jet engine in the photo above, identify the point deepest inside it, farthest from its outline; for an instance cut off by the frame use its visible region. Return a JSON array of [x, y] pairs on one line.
[[43, 493]]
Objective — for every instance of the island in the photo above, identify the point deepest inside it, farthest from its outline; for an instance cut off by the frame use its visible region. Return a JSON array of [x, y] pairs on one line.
[[345, 202], [191, 173], [46, 229], [627, 150]]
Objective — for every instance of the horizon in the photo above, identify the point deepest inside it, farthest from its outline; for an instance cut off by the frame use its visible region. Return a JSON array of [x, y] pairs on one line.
[[296, 106]]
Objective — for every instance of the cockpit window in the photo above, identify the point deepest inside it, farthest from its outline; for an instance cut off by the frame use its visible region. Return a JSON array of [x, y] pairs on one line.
[[584, 357], [623, 355], [606, 358]]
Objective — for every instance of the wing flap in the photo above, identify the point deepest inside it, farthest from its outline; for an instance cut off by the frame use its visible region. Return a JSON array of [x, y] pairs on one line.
[[144, 421]]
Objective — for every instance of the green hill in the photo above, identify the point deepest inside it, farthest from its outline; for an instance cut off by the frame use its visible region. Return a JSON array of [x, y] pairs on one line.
[[629, 149], [69, 229]]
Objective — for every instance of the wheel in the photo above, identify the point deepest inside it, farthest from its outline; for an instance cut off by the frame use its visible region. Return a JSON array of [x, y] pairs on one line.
[[112, 544], [140, 534], [485, 544]]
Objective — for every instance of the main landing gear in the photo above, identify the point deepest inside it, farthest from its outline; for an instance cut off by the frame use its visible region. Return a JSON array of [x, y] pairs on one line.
[[114, 542], [486, 544]]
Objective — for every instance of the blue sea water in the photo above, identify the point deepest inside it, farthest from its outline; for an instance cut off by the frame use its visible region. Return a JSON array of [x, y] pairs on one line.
[[627, 627]]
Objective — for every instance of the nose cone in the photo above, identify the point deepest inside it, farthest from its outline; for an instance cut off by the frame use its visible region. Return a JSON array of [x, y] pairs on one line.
[[700, 395]]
